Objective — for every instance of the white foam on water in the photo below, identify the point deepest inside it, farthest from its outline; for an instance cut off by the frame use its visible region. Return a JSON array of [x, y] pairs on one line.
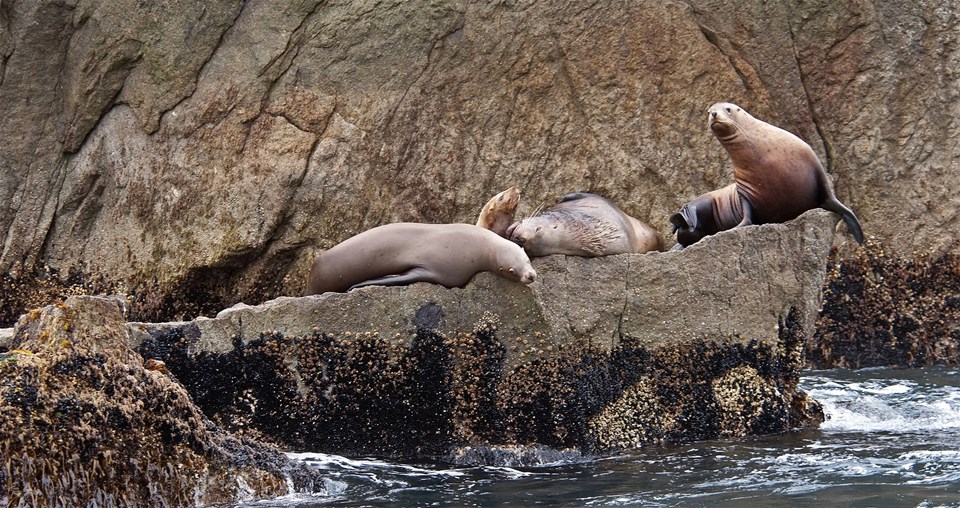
[[330, 461], [508, 472], [888, 405]]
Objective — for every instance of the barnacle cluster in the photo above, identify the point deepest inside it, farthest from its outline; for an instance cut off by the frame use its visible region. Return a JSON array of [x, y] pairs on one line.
[[429, 394], [84, 422], [22, 290], [705, 389], [881, 309]]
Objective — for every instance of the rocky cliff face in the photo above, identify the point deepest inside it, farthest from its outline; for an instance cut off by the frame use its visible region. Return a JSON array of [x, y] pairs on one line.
[[198, 155]]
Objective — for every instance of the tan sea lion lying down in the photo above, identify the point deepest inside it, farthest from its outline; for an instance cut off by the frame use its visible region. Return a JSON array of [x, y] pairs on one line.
[[404, 253]]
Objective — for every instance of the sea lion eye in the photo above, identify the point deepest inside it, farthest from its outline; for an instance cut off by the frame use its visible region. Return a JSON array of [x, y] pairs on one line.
[[539, 228], [511, 270], [728, 110]]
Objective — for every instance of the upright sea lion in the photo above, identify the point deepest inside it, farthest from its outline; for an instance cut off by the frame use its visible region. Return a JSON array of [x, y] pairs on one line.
[[404, 253], [778, 176], [497, 214], [707, 214], [583, 224]]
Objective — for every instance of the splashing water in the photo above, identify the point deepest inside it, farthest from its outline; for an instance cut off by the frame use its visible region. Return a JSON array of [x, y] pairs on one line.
[[891, 439]]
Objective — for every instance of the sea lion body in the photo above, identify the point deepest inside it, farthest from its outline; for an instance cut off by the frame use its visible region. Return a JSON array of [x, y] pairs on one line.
[[708, 214], [404, 253], [497, 214], [778, 176], [583, 224]]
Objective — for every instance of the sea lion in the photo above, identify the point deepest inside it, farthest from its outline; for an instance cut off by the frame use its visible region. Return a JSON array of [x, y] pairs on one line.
[[778, 176], [404, 253], [497, 214], [583, 224], [707, 214]]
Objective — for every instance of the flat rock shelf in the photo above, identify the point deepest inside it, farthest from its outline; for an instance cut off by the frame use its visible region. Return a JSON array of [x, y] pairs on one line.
[[599, 354]]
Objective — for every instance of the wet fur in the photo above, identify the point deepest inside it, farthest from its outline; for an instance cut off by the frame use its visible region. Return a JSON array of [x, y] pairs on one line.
[[707, 214]]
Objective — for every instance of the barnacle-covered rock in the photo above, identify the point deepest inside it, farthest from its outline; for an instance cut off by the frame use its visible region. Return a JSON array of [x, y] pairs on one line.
[[598, 354], [883, 309], [82, 422]]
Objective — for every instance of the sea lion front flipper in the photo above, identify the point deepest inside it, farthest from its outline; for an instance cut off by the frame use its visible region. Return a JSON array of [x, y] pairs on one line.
[[415, 274], [683, 220], [853, 223], [747, 209]]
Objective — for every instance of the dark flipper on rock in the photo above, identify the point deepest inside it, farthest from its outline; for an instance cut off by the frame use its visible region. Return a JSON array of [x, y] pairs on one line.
[[417, 274], [853, 224]]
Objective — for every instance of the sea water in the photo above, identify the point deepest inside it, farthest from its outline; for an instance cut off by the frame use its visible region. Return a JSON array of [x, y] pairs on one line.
[[891, 439]]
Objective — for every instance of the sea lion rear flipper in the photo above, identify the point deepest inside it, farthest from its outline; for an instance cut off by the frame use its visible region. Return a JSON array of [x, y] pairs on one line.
[[853, 223], [416, 274]]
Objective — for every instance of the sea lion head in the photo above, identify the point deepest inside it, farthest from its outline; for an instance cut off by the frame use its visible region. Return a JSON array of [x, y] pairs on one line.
[[534, 234], [497, 214], [513, 263], [506, 200], [726, 120]]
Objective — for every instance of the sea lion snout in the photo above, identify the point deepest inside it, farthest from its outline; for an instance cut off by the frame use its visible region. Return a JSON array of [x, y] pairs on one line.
[[525, 274], [528, 276], [720, 116]]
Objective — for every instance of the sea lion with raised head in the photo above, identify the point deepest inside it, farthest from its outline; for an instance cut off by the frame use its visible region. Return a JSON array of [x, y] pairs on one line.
[[778, 175], [584, 224], [497, 214], [403, 253], [710, 213]]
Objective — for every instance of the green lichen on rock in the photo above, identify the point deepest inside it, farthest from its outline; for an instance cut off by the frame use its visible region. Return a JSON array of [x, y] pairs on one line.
[[83, 422]]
